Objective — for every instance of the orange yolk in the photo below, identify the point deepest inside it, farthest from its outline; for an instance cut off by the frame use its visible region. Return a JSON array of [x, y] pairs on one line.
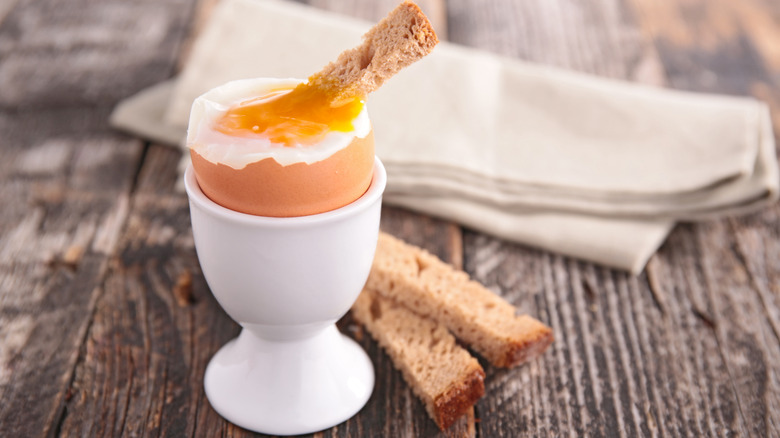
[[301, 116]]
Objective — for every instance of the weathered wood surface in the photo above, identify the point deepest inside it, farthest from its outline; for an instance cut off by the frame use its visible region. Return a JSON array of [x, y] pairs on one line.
[[106, 323]]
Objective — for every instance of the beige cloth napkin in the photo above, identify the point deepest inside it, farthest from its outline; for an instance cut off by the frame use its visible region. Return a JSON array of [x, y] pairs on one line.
[[593, 168]]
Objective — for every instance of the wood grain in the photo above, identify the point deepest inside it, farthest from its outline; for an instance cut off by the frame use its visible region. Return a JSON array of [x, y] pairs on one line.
[[55, 237], [86, 53], [146, 351], [731, 48], [632, 357], [718, 46], [107, 322], [66, 179]]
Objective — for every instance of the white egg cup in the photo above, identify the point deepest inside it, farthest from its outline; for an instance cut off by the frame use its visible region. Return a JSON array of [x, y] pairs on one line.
[[286, 281]]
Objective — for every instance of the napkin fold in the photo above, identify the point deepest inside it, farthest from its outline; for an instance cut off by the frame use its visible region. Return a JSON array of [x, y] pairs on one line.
[[593, 168]]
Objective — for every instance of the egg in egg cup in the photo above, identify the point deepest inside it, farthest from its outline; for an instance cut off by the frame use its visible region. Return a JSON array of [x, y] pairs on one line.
[[286, 281]]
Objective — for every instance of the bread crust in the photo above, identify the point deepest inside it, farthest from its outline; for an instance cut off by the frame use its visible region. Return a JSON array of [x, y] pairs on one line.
[[398, 40], [477, 316], [446, 378], [457, 400], [444, 302]]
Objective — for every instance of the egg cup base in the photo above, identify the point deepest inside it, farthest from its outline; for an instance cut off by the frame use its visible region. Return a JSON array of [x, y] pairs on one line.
[[292, 387]]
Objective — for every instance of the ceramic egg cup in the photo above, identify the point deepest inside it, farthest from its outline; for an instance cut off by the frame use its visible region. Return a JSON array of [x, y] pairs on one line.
[[286, 281]]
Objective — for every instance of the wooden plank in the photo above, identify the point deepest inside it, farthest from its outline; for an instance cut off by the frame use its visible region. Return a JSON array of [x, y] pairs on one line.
[[152, 335], [55, 240], [731, 47], [718, 46], [632, 356], [588, 383], [65, 180], [203, 10], [155, 326], [598, 36], [5, 8], [86, 53]]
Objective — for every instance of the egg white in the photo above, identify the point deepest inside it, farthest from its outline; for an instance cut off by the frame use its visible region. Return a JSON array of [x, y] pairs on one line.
[[238, 151]]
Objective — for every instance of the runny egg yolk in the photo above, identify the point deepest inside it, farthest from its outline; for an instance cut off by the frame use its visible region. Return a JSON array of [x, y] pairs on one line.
[[301, 116]]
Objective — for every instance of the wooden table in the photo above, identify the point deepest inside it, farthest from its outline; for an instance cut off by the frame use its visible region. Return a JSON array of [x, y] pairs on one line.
[[106, 323]]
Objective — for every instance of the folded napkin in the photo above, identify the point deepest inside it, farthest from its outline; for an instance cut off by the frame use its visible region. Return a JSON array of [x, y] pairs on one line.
[[593, 168]]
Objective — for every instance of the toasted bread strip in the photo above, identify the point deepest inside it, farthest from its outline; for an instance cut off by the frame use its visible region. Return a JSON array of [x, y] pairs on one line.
[[479, 317], [446, 377], [398, 40]]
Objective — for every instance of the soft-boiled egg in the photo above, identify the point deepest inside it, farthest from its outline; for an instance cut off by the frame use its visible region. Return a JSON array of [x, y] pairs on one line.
[[267, 148]]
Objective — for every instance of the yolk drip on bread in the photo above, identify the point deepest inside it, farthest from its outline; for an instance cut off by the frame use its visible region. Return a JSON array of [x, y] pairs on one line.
[[277, 148]]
